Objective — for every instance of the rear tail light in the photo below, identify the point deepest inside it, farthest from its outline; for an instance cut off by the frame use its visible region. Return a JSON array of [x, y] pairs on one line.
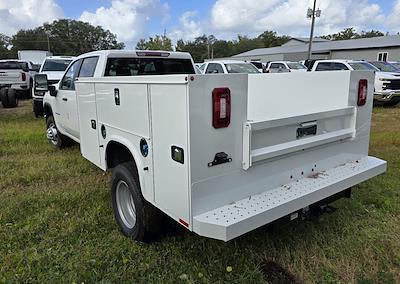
[[362, 92], [221, 98], [23, 76]]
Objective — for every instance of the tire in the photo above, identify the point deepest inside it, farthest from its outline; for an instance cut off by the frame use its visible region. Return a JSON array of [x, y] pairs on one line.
[[136, 218], [12, 98], [54, 137], [3, 97]]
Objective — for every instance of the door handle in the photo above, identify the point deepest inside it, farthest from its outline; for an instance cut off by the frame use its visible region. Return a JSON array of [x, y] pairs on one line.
[[64, 99]]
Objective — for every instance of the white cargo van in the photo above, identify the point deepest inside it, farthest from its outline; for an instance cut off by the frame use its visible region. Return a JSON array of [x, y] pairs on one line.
[[222, 155]]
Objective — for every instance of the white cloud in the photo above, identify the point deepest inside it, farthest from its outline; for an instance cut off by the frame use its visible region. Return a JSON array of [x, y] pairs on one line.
[[289, 16], [27, 14], [188, 29], [127, 18], [394, 17]]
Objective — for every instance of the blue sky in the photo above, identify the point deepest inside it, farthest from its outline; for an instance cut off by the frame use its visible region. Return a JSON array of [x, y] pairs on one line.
[[131, 20]]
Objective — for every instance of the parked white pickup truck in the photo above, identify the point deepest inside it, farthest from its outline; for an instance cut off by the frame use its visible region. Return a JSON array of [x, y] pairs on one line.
[[17, 74], [386, 84], [221, 155]]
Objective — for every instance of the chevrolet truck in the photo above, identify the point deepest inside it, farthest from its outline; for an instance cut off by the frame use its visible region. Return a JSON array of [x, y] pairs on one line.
[[220, 154]]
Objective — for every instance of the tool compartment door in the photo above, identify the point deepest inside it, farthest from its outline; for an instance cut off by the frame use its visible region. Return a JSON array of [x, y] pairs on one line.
[[88, 123], [169, 124]]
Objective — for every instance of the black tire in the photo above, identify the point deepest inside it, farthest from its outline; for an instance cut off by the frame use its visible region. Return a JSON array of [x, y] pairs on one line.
[[147, 221], [3, 97], [12, 98], [60, 141]]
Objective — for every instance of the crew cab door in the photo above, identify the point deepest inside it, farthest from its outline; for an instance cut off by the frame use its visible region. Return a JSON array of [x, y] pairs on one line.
[[66, 109]]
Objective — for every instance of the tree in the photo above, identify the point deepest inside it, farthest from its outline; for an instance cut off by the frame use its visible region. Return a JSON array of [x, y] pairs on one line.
[[155, 43], [350, 33], [271, 39], [4, 46], [66, 37], [371, 33]]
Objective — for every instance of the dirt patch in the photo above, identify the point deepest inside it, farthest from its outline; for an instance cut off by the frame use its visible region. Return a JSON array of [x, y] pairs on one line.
[[274, 273]]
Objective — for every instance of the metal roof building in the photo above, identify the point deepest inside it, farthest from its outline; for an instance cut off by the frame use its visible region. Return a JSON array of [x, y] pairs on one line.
[[378, 48]]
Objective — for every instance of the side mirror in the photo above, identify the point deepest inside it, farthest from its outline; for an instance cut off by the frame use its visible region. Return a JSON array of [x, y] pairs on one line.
[[41, 84], [52, 91]]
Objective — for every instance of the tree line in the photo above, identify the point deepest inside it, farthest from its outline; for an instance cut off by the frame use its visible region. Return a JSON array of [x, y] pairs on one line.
[[72, 37]]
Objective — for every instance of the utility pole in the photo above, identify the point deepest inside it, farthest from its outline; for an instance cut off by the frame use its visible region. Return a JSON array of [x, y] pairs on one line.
[[312, 13], [48, 43]]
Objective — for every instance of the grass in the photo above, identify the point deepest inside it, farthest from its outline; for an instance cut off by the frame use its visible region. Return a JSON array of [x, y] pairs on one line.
[[56, 225]]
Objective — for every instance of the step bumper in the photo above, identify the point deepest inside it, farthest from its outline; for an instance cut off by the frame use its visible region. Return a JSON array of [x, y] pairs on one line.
[[230, 221]]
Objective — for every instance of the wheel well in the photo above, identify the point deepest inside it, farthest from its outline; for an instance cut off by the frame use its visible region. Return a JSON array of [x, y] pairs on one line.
[[117, 153], [47, 110]]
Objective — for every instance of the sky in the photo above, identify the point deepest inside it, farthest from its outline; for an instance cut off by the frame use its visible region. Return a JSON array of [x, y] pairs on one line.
[[131, 20]]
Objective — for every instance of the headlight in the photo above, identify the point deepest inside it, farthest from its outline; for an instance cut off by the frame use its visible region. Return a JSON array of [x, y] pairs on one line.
[[383, 79]]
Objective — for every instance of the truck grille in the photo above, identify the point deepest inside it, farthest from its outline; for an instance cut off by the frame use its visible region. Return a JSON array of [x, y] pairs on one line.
[[392, 85]]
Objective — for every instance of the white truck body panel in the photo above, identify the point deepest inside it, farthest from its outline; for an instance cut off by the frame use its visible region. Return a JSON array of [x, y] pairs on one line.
[[269, 162]]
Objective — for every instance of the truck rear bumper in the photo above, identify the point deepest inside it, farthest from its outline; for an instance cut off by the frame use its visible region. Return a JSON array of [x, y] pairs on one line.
[[242, 216]]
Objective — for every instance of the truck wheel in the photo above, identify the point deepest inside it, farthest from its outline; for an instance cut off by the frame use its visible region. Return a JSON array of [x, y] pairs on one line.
[[12, 98], [54, 137], [3, 97], [136, 218]]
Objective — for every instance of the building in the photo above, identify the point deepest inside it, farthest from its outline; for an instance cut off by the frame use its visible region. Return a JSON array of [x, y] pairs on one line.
[[385, 48]]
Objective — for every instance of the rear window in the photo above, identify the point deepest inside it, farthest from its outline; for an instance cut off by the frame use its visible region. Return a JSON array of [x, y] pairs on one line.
[[13, 65], [56, 64], [148, 66]]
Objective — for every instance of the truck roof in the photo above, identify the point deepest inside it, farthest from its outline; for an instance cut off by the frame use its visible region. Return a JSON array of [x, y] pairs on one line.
[[60, 57], [138, 53]]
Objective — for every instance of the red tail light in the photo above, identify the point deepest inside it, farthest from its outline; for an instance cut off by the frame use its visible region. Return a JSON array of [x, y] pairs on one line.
[[221, 107], [23, 76], [362, 92]]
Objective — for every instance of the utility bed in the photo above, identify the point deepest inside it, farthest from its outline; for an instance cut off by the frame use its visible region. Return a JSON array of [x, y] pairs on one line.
[[230, 153]]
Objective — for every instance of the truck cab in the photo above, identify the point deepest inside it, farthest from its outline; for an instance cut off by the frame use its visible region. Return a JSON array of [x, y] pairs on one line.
[[60, 105]]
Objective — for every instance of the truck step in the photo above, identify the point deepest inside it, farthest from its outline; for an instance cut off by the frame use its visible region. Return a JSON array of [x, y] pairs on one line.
[[234, 219]]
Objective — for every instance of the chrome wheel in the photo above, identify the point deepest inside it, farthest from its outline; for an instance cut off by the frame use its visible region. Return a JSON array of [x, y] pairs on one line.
[[125, 204], [52, 134]]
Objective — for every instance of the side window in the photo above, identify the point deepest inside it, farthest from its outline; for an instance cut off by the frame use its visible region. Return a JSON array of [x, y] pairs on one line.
[[202, 66], [88, 67], [212, 68], [67, 82], [340, 66], [324, 66], [219, 69]]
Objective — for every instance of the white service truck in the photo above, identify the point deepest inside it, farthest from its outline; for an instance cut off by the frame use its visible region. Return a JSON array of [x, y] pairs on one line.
[[220, 154]]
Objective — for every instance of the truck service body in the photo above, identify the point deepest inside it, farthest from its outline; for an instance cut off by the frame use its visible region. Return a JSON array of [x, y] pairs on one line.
[[223, 155]]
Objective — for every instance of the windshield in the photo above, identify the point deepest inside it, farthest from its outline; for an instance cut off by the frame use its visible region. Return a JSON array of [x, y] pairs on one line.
[[385, 66], [241, 68], [13, 65], [296, 65], [396, 64], [56, 64], [363, 66]]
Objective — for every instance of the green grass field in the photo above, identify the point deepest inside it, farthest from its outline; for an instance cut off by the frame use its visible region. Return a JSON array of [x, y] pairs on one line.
[[56, 225]]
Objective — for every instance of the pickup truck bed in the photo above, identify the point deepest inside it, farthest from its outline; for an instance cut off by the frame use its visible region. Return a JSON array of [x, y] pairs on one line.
[[286, 146]]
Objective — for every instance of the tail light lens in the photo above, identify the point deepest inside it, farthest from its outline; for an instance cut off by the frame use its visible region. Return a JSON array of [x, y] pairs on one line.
[[362, 92], [23, 76], [221, 98]]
